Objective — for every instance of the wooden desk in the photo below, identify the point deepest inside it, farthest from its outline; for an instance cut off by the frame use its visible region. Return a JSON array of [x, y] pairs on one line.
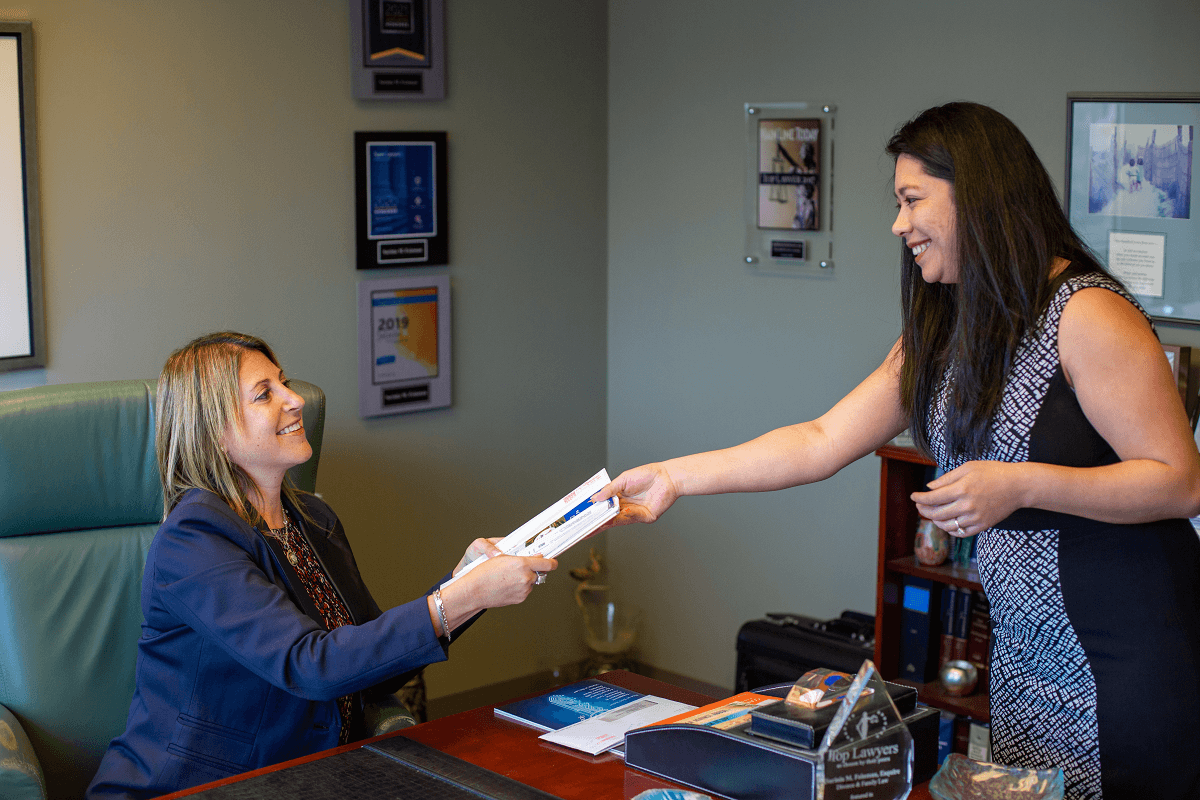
[[514, 750]]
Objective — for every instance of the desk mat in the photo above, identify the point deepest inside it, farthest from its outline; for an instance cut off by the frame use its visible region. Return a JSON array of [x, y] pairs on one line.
[[443, 766], [392, 768]]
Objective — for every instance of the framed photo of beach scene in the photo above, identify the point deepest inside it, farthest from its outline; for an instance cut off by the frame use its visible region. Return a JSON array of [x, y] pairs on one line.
[[1129, 192]]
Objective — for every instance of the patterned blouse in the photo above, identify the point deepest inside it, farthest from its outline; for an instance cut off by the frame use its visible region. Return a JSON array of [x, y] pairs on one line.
[[316, 583]]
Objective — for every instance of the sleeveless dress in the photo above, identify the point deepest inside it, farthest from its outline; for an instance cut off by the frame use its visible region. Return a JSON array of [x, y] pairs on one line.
[[1095, 663]]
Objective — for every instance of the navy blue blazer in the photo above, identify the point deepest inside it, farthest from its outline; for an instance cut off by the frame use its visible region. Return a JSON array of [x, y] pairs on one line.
[[235, 670]]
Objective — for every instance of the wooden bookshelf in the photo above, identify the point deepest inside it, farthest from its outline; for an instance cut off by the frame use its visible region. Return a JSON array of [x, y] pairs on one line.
[[903, 471]]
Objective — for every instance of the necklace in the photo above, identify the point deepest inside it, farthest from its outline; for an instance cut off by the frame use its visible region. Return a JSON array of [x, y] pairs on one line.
[[284, 537]]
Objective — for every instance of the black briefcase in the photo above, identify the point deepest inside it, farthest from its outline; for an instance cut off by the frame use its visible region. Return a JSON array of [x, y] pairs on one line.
[[782, 647]]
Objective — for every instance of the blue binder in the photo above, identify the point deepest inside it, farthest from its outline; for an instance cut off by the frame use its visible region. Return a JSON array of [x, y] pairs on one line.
[[918, 642]]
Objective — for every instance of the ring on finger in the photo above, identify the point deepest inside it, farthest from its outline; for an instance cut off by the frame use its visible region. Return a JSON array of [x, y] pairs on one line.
[[957, 525], [541, 578]]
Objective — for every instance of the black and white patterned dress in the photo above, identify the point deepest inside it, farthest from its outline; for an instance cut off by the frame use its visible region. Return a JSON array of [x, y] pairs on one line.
[[1095, 664]]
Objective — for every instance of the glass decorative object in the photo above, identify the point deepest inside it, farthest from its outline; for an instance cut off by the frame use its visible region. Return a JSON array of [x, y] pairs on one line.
[[867, 753], [961, 778]]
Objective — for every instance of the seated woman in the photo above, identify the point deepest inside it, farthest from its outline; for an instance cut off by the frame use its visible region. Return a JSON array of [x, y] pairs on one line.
[[260, 642]]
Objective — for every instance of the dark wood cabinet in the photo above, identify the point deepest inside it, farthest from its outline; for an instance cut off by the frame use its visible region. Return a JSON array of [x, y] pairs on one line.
[[904, 470]]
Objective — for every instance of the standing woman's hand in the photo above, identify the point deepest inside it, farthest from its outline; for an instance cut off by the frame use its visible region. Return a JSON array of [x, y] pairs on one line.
[[644, 492], [973, 497]]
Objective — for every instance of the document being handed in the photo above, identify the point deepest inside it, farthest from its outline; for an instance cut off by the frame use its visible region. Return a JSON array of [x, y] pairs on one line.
[[558, 527]]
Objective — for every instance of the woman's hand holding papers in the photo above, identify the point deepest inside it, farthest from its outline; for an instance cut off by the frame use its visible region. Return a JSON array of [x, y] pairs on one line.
[[494, 580], [480, 548]]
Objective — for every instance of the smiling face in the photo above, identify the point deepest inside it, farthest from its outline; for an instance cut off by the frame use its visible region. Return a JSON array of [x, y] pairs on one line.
[[926, 220], [269, 439]]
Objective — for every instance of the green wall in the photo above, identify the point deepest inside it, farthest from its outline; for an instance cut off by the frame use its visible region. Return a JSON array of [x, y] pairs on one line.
[[197, 174], [703, 354]]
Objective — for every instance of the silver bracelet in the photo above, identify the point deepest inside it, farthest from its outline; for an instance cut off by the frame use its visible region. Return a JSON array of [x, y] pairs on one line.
[[437, 601]]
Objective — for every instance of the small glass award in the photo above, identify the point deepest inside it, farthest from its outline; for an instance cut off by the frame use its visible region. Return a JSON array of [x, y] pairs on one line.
[[867, 753]]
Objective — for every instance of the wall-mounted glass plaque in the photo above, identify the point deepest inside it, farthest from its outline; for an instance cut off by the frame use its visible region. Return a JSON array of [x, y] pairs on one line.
[[789, 188]]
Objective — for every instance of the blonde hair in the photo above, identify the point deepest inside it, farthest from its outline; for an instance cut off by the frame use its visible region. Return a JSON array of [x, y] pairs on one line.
[[197, 402]]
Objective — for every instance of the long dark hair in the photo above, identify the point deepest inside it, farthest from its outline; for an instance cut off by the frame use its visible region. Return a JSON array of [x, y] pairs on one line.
[[1010, 228]]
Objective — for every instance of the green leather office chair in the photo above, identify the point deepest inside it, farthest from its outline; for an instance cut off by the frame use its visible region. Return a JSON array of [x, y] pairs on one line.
[[80, 501]]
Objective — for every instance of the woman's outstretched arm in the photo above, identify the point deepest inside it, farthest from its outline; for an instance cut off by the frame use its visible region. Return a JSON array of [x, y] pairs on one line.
[[863, 420]]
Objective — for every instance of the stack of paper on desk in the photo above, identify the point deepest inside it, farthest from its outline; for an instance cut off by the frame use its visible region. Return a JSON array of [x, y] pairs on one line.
[[567, 705], [607, 731], [560, 526]]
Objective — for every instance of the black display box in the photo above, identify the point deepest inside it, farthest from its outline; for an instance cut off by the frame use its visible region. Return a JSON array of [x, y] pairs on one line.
[[734, 764]]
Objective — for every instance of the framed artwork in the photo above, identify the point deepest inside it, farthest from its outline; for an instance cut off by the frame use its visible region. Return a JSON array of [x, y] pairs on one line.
[[400, 199], [789, 188], [398, 49], [22, 310], [1129, 188], [403, 345], [789, 174]]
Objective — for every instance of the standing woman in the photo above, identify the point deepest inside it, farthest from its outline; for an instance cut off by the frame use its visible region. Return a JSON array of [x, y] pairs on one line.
[[1037, 383], [260, 642]]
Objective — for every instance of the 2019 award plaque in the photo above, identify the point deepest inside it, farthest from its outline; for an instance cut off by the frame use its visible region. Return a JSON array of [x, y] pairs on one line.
[[403, 344]]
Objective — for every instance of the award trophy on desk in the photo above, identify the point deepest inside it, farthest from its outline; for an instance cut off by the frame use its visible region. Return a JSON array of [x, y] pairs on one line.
[[867, 753]]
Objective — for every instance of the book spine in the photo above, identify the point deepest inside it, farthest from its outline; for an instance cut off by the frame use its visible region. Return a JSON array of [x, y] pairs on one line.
[[949, 599], [918, 661], [946, 720], [979, 741], [962, 735], [979, 638], [962, 624]]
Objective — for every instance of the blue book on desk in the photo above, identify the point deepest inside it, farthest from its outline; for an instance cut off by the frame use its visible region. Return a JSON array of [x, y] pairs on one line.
[[566, 706], [918, 640]]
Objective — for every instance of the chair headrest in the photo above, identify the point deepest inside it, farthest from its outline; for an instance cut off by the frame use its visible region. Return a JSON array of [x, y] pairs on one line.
[[78, 456]]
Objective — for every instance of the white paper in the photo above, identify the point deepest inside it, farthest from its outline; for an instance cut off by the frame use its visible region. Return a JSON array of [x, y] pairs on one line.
[[1137, 259], [558, 527], [607, 730]]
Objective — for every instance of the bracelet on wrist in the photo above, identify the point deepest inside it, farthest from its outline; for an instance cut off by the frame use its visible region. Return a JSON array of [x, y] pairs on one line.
[[437, 601]]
